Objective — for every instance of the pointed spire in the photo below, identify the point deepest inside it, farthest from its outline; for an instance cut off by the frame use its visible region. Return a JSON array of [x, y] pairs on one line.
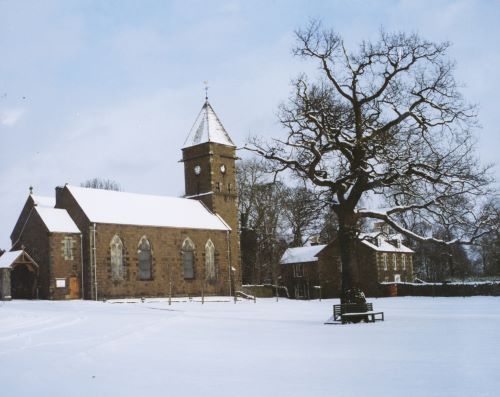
[[207, 128]]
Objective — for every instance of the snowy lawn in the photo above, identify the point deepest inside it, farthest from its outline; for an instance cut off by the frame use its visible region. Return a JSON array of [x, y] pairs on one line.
[[426, 347]]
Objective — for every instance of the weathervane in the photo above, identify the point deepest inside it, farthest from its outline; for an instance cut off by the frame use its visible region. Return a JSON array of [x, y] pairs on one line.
[[206, 89]]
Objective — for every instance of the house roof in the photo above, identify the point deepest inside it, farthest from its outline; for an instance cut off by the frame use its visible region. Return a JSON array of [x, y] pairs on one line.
[[8, 258], [301, 254], [108, 206], [207, 128], [57, 220], [43, 201], [385, 245]]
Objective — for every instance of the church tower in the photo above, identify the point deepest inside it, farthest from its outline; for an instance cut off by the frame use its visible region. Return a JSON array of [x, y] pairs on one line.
[[209, 157]]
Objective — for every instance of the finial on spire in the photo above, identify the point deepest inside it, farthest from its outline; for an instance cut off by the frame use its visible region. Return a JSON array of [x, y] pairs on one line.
[[31, 189], [206, 89]]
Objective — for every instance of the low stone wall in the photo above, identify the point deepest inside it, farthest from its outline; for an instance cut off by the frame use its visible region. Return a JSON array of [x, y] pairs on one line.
[[440, 289]]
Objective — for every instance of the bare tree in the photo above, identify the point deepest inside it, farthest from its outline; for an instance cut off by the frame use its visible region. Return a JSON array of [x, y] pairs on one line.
[[489, 245], [100, 183], [250, 174], [388, 120], [329, 226], [302, 214], [261, 201]]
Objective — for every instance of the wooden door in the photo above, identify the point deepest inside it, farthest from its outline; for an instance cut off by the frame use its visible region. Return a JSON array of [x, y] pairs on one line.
[[74, 288]]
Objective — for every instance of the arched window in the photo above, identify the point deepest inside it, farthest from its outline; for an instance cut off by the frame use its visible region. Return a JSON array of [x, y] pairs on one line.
[[145, 259], [210, 261], [116, 254], [384, 259], [188, 258]]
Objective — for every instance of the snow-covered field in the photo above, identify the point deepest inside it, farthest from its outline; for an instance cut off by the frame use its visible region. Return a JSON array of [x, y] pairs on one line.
[[426, 347]]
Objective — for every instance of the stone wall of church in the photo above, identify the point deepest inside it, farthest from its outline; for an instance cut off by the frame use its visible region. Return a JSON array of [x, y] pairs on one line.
[[65, 200], [65, 266], [167, 269]]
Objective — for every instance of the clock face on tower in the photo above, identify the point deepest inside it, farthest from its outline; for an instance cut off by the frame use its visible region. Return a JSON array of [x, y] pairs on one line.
[[223, 168], [197, 169]]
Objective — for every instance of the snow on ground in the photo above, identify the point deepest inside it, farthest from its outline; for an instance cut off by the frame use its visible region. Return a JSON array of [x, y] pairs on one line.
[[426, 347]]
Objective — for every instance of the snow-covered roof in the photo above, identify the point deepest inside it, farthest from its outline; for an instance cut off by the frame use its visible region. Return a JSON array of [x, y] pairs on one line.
[[44, 201], [385, 245], [207, 128], [57, 220], [8, 258], [108, 206], [301, 254]]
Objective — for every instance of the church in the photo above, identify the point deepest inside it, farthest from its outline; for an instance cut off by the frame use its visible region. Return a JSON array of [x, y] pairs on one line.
[[100, 244]]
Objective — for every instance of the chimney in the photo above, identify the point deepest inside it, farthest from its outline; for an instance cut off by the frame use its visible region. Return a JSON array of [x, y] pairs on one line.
[[59, 192]]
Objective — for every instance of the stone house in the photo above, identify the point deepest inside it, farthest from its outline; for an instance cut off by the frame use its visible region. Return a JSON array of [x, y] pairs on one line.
[[311, 272], [377, 257], [300, 271], [100, 244]]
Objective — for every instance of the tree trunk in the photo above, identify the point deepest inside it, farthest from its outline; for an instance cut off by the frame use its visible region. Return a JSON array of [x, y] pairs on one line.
[[346, 236]]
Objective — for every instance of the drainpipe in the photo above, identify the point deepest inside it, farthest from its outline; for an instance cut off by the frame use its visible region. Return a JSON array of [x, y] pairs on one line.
[[95, 261], [229, 262], [81, 264]]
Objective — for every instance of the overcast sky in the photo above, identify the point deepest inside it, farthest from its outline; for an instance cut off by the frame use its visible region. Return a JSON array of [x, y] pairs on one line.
[[111, 88]]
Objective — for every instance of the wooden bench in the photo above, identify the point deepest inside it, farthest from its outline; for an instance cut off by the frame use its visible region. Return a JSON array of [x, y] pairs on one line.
[[356, 312]]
